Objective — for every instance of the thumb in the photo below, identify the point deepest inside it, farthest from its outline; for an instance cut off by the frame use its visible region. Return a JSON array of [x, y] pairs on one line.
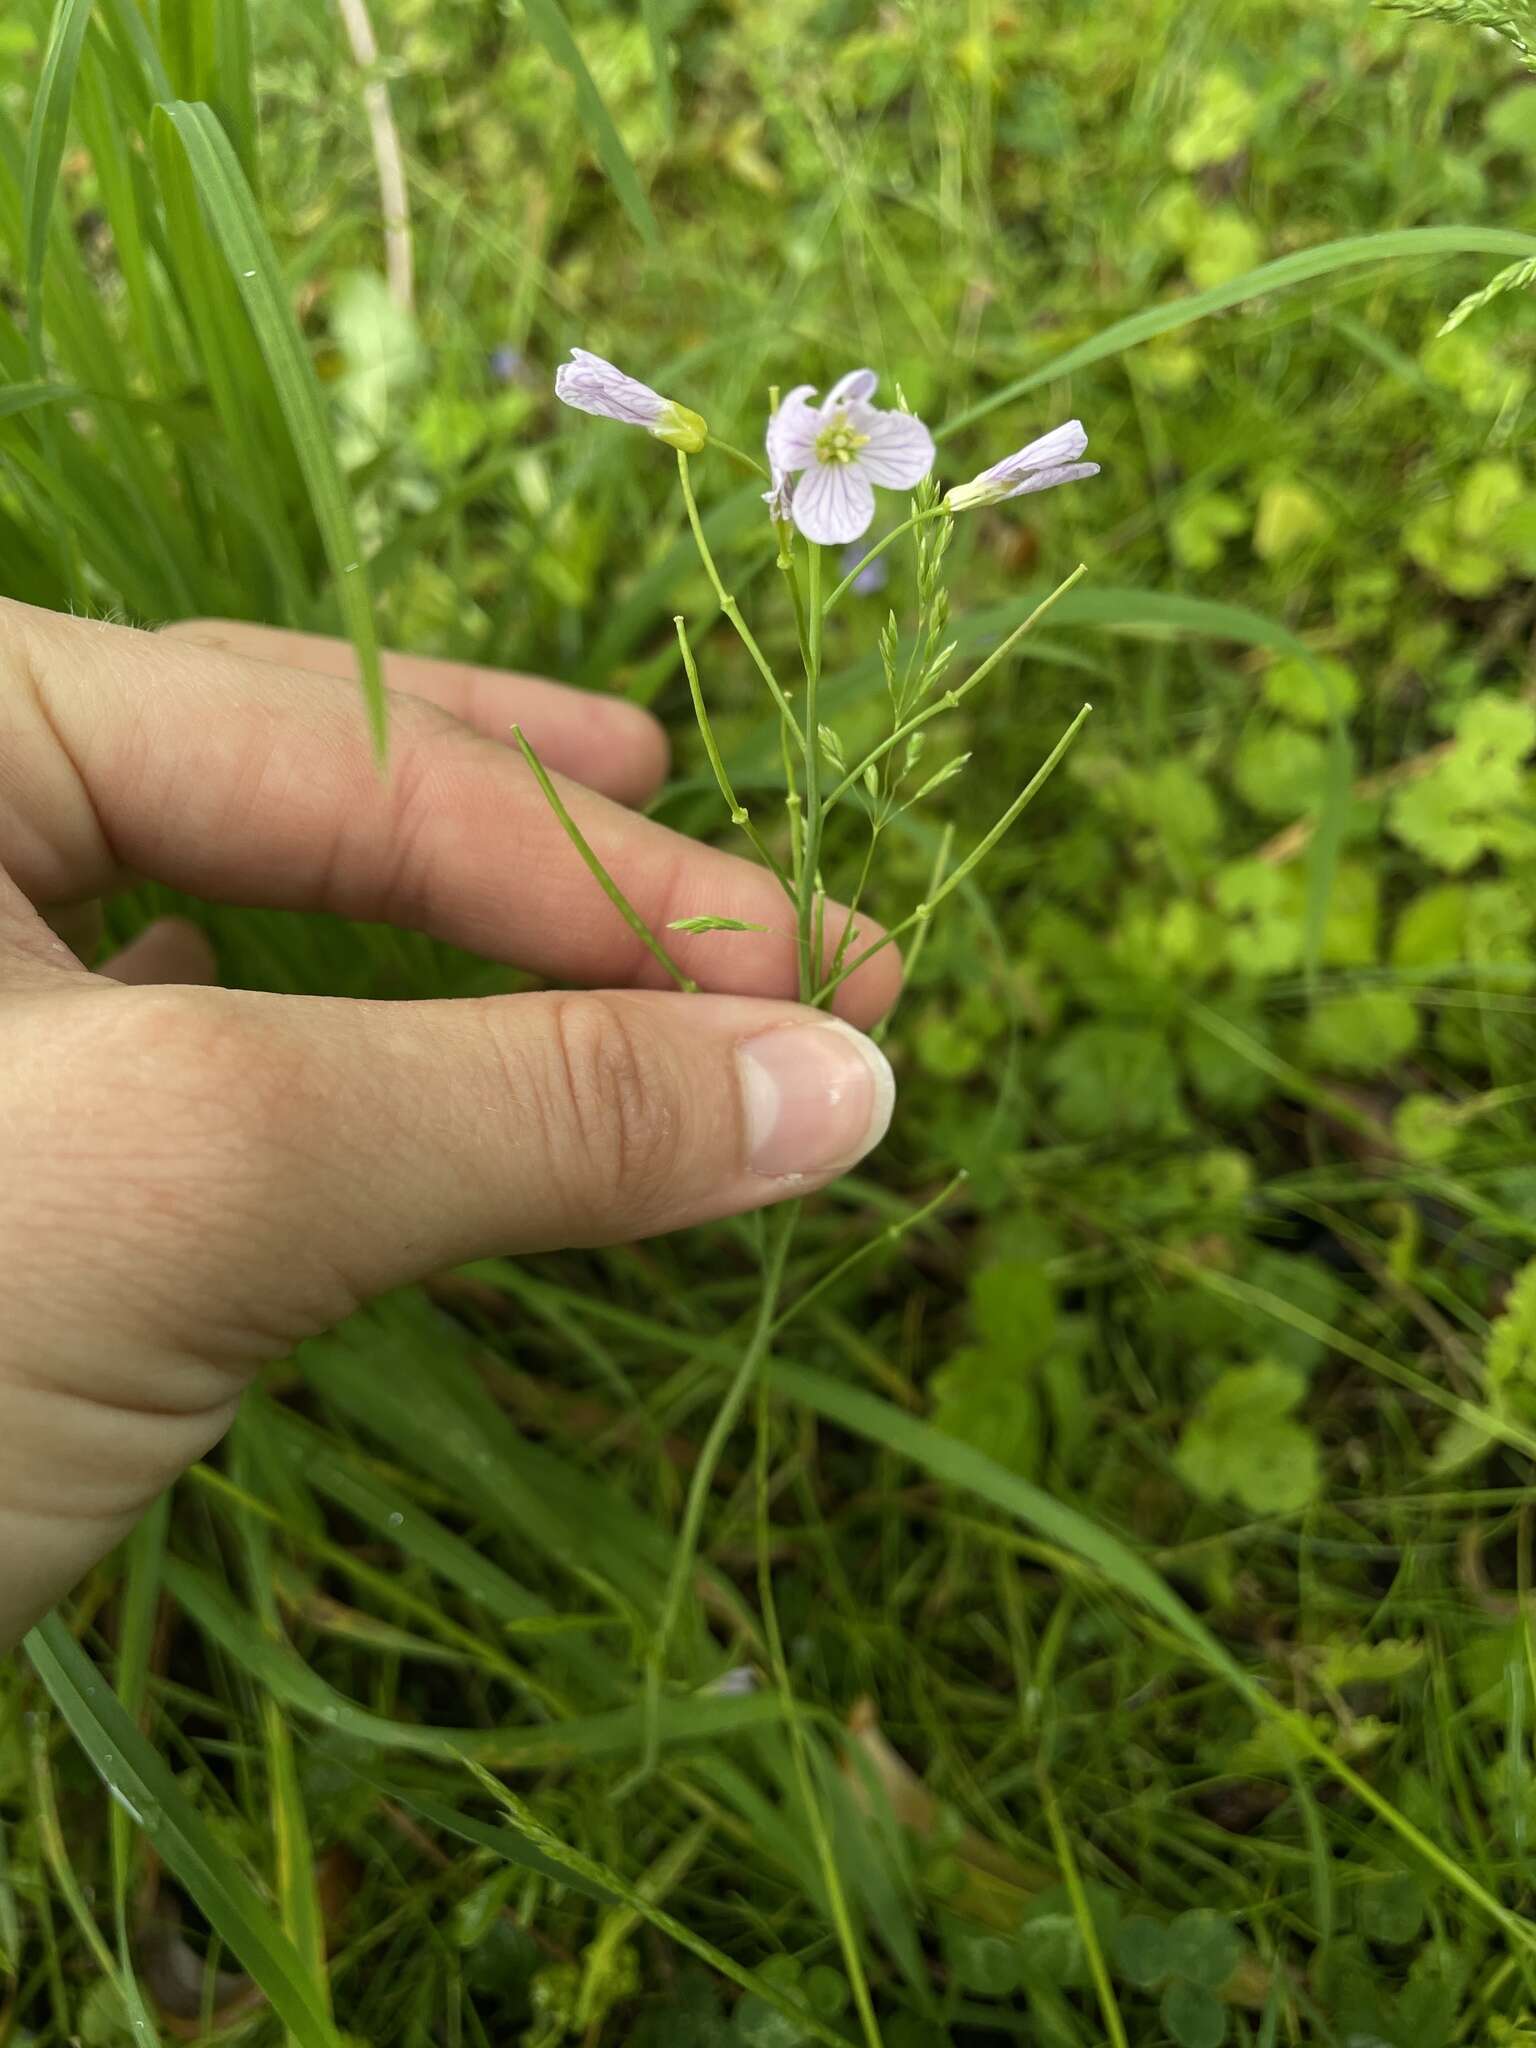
[[533, 1123], [309, 1152], [246, 1168]]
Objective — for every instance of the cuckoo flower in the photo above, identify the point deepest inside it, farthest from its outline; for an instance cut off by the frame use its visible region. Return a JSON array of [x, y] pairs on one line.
[[841, 449], [592, 385], [1051, 460]]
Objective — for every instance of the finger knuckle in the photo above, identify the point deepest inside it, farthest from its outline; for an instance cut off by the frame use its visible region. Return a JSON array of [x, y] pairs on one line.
[[613, 1095]]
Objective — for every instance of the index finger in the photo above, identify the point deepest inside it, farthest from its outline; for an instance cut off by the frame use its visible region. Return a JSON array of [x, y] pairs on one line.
[[602, 741], [255, 784]]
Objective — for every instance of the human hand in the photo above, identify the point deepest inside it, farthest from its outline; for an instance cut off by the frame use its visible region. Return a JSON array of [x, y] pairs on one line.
[[193, 1179]]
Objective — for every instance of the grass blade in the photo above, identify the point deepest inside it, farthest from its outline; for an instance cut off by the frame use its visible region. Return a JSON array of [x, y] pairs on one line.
[[955, 1463], [549, 27], [1348, 253], [132, 1772], [45, 152], [281, 1671], [236, 226]]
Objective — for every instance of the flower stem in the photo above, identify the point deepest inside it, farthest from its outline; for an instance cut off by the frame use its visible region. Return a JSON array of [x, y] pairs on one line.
[[951, 698], [856, 899], [778, 1231], [842, 1919], [739, 813], [739, 455], [977, 854], [728, 603], [609, 886], [810, 963], [915, 951], [883, 1240], [879, 548]]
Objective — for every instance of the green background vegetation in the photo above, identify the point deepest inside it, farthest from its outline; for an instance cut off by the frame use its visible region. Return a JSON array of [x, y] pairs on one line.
[[1148, 1527]]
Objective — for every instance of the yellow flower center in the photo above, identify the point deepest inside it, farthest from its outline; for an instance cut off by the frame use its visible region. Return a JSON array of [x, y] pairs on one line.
[[839, 442]]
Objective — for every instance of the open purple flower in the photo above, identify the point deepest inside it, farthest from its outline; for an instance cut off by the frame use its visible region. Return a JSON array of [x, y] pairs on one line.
[[840, 450], [593, 385], [1052, 460]]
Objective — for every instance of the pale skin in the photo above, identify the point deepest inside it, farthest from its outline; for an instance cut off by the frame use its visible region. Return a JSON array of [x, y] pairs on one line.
[[194, 1179]]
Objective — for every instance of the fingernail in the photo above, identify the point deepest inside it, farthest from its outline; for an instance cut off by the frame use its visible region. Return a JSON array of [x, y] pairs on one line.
[[818, 1097]]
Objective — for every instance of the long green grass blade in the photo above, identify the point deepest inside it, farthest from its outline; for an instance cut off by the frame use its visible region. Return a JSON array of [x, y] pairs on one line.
[[230, 208], [276, 1667], [548, 24], [1301, 267], [504, 1842], [45, 152], [293, 1856], [133, 1773]]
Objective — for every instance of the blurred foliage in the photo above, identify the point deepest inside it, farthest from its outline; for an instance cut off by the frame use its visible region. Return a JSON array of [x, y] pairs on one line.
[[1236, 1045]]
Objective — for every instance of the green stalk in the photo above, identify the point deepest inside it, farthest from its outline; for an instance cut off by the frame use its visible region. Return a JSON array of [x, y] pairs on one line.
[[842, 1919], [951, 699], [608, 885], [739, 455], [879, 548], [973, 859], [728, 603], [810, 961], [738, 810], [915, 951], [779, 1229]]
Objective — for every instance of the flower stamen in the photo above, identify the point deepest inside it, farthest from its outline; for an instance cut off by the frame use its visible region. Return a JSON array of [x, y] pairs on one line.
[[840, 442]]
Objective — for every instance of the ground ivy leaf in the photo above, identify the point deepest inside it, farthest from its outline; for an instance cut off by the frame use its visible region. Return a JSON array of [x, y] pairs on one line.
[[1393, 1912], [1241, 1444], [1363, 1033]]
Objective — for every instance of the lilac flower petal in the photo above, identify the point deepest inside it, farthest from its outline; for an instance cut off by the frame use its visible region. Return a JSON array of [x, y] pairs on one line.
[[792, 431], [1061, 445], [1047, 479], [857, 386], [592, 385], [834, 502], [779, 497], [899, 450]]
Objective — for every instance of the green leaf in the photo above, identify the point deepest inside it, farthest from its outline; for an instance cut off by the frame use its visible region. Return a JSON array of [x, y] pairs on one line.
[[1240, 1443], [1312, 692], [1427, 1127], [1116, 1080], [136, 1776], [1364, 1033], [1393, 1912], [236, 227], [1289, 516], [1220, 123], [1265, 906], [1279, 771], [1194, 2017], [1204, 1948], [549, 26], [1142, 1951], [1512, 1338], [983, 1398], [1473, 799]]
